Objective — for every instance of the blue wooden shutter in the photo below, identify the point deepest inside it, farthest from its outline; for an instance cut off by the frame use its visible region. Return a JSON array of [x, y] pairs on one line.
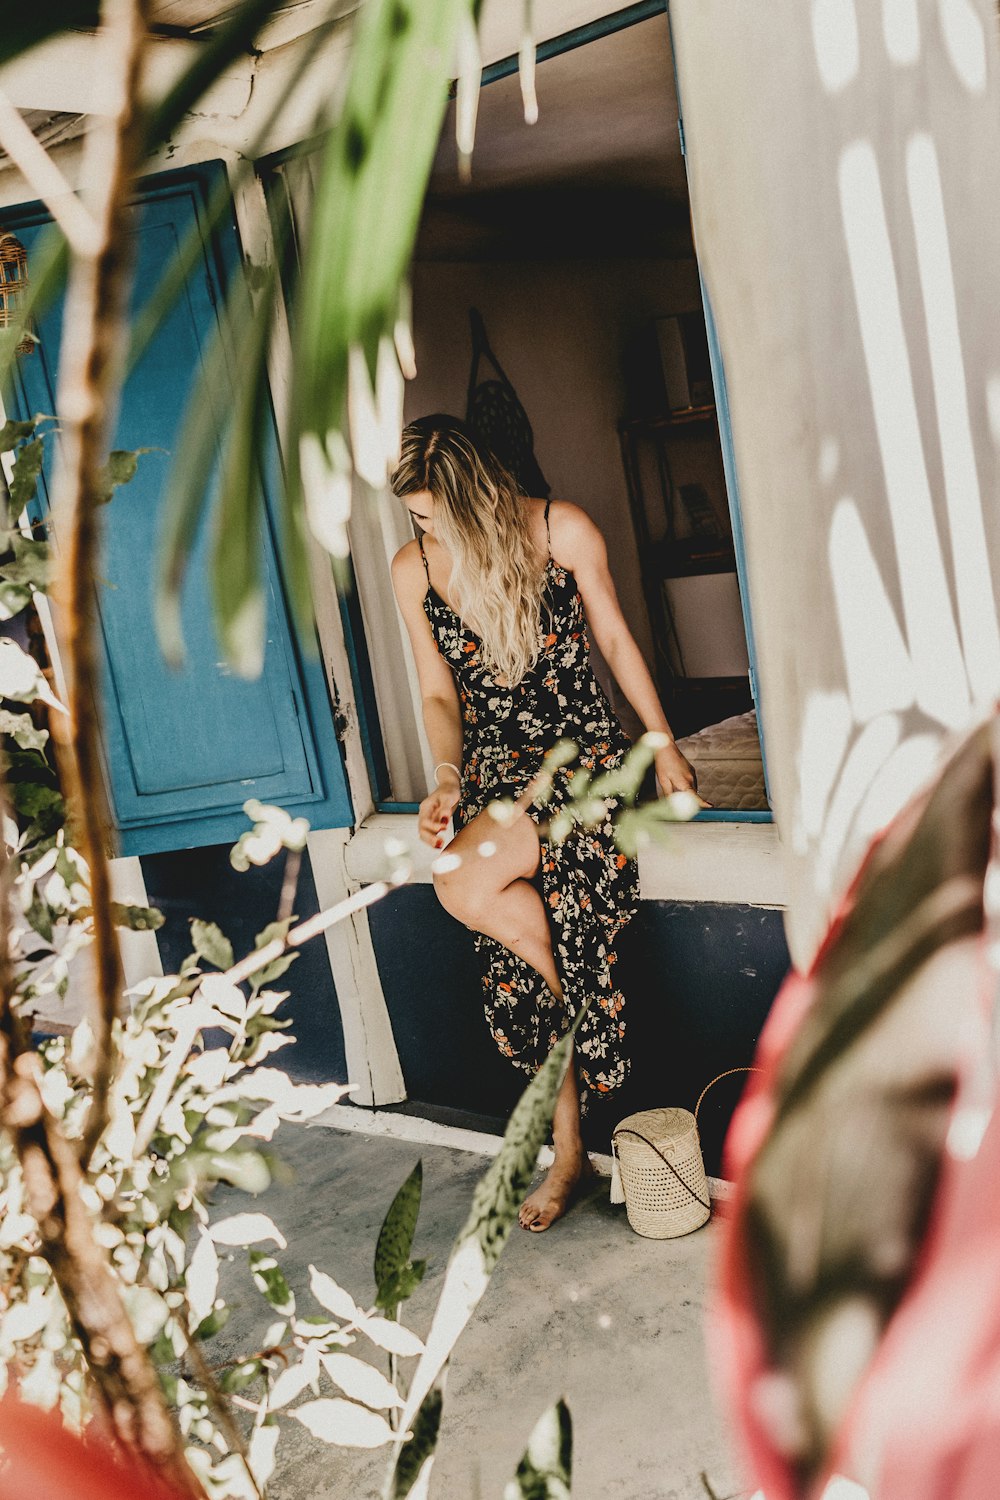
[[185, 749]]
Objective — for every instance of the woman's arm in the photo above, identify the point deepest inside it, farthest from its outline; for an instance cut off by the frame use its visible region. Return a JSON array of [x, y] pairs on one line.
[[579, 545], [439, 699]]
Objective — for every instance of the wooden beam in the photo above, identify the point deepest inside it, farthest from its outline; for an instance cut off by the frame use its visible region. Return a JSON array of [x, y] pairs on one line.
[[63, 75]]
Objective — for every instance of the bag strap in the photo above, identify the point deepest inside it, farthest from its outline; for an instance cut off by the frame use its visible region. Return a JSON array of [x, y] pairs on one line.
[[667, 1163], [481, 349], [718, 1079]]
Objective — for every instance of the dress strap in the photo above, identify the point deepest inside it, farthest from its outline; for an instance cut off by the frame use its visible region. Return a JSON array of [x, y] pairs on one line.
[[548, 533], [423, 554]]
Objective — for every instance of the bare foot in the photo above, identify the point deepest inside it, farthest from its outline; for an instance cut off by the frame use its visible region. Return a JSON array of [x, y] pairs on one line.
[[555, 1193]]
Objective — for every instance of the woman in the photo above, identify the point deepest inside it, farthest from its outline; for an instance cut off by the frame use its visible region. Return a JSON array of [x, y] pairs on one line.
[[493, 592]]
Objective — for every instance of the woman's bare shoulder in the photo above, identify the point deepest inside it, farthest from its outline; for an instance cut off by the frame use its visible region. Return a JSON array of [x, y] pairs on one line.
[[407, 568], [572, 530]]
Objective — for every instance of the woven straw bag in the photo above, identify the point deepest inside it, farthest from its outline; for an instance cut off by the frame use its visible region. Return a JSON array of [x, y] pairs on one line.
[[658, 1171]]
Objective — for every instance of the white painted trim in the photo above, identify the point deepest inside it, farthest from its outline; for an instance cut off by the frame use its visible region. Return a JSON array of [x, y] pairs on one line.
[[500, 26], [725, 863], [373, 1065], [60, 75], [421, 1132], [67, 73], [140, 951], [254, 224]]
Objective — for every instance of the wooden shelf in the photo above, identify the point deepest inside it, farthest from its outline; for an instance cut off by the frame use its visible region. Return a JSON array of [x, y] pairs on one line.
[[685, 557], [695, 415]]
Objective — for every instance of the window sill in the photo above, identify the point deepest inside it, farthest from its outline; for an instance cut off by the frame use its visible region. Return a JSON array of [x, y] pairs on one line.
[[724, 862]]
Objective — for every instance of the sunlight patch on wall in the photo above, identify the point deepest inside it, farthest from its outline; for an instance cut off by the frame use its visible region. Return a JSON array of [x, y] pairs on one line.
[[939, 671], [826, 729], [970, 552], [908, 768], [964, 42], [868, 755], [835, 38], [829, 460], [901, 29], [880, 674]]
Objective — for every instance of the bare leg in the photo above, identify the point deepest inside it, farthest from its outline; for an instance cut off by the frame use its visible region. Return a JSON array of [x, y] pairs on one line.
[[492, 893]]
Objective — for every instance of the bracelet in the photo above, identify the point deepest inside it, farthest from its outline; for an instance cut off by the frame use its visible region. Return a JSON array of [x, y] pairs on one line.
[[451, 767]]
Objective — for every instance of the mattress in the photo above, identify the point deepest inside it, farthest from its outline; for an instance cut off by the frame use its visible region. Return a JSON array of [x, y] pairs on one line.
[[727, 760]]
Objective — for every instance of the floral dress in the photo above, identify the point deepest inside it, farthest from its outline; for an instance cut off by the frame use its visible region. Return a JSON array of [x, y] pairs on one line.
[[589, 888]]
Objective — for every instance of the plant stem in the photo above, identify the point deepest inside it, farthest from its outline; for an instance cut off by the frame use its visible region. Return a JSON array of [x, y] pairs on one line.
[[124, 1379], [220, 1406], [93, 345], [289, 884], [311, 928]]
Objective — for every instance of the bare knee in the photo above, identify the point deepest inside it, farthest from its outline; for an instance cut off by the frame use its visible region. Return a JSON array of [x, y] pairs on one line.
[[463, 898]]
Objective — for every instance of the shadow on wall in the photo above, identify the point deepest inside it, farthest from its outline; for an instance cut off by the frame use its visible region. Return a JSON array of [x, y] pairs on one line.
[[202, 883], [699, 980]]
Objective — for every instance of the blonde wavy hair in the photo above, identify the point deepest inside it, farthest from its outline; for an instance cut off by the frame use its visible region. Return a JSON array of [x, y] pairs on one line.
[[481, 520]]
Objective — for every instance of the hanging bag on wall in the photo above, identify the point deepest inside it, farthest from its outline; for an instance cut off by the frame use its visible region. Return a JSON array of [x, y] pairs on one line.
[[495, 414]]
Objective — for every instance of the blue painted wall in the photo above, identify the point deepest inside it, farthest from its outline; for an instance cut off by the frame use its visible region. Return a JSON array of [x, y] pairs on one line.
[[202, 883], [699, 980]]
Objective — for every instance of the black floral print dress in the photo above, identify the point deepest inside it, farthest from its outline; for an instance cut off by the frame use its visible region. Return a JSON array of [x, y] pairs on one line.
[[589, 888]]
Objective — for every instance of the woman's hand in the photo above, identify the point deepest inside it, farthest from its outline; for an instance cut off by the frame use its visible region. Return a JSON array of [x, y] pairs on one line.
[[436, 809], [675, 773]]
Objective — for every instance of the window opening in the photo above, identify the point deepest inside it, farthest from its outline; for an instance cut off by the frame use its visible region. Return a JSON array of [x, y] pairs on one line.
[[573, 241]]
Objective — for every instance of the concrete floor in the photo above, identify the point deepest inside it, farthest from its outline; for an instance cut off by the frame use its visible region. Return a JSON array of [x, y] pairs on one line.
[[588, 1311]]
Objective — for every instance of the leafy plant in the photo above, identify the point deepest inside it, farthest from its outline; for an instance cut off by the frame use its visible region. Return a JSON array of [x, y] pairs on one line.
[[48, 878], [113, 1139], [546, 1469]]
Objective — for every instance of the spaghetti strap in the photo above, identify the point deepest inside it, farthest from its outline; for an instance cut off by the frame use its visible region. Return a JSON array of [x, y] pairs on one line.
[[423, 554], [548, 533]]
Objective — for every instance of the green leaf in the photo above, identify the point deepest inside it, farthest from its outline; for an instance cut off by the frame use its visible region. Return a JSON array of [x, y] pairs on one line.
[[42, 804], [32, 562], [212, 944], [13, 598], [12, 433], [500, 1191], [421, 1447], [400, 1285], [240, 1375], [136, 918], [187, 490], [237, 582], [371, 181], [258, 1024], [271, 931], [121, 467], [39, 915], [546, 1470], [274, 970], [395, 1239], [271, 1282], [637, 827], [24, 478], [213, 1322], [22, 730], [279, 966], [480, 1242], [246, 1170]]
